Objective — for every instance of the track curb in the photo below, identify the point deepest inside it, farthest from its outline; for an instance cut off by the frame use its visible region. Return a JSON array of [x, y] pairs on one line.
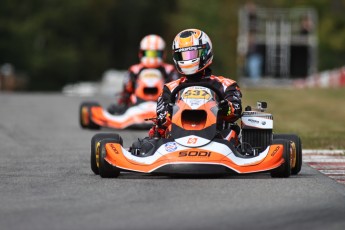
[[329, 162]]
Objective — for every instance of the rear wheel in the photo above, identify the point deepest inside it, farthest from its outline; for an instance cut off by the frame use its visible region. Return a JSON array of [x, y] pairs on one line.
[[95, 144], [298, 144], [85, 120], [285, 169]]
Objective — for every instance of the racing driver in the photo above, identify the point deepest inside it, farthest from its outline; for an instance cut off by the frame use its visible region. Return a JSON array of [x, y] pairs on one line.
[[192, 55], [152, 56]]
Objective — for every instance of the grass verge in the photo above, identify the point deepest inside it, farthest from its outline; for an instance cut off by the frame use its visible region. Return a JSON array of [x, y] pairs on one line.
[[316, 115]]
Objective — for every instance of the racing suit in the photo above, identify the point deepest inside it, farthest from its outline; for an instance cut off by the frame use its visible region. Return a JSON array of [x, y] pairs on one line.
[[231, 109], [168, 72]]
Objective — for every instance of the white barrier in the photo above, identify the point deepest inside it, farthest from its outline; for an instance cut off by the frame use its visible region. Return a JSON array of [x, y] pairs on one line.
[[326, 79]]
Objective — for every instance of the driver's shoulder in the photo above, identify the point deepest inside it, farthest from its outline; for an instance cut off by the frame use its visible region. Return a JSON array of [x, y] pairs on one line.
[[225, 81], [136, 68], [173, 84]]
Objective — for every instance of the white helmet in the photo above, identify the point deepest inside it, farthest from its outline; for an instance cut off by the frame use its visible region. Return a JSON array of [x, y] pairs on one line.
[[151, 52], [192, 51]]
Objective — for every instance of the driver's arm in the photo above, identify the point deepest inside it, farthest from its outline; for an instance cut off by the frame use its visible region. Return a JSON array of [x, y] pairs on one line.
[[234, 96], [162, 107], [128, 88], [163, 101]]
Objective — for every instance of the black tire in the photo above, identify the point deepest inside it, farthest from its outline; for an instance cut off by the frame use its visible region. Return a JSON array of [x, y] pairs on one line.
[[95, 143], [284, 170], [86, 122], [298, 143], [105, 169]]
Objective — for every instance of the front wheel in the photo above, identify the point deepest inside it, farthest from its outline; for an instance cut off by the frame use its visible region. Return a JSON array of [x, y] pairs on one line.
[[284, 170], [298, 144], [85, 116], [95, 146], [105, 169]]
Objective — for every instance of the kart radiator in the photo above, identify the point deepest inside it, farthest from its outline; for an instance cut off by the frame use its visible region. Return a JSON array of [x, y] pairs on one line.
[[257, 129], [257, 138]]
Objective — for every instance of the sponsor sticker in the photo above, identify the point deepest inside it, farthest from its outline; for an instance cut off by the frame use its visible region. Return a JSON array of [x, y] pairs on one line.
[[192, 140], [275, 151], [170, 146], [253, 121], [114, 148], [194, 153]]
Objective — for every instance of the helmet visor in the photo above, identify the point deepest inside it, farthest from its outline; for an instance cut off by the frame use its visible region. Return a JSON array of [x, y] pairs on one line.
[[192, 53], [152, 53]]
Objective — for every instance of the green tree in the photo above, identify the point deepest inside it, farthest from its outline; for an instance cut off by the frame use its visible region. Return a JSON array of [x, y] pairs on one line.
[[61, 41], [57, 42], [218, 18]]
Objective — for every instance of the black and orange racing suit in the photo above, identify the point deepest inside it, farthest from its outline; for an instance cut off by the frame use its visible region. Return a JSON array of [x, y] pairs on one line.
[[230, 89], [168, 72]]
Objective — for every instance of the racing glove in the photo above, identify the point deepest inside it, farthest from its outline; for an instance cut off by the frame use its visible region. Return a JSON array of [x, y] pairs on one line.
[[225, 107], [155, 131], [161, 123], [163, 120]]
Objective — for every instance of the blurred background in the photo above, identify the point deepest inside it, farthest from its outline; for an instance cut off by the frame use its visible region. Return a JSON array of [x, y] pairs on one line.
[[48, 44]]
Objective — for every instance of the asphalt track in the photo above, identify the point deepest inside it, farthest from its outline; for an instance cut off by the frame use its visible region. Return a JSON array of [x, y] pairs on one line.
[[46, 183]]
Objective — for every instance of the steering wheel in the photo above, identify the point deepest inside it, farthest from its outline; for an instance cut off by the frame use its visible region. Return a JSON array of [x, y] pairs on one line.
[[186, 85]]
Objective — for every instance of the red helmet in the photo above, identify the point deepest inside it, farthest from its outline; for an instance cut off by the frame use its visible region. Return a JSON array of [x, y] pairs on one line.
[[151, 52], [192, 51]]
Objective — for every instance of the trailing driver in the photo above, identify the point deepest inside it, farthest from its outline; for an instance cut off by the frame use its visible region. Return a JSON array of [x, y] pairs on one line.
[[152, 56], [192, 55]]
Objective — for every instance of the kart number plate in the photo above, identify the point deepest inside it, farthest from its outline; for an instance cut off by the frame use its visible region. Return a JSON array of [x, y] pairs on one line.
[[196, 94]]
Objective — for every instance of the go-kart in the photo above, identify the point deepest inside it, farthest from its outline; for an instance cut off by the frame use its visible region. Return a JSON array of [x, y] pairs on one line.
[[195, 145], [149, 86]]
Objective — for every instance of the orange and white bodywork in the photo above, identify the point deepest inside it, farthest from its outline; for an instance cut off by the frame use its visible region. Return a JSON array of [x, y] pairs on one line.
[[173, 158], [193, 144], [134, 116], [149, 86]]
